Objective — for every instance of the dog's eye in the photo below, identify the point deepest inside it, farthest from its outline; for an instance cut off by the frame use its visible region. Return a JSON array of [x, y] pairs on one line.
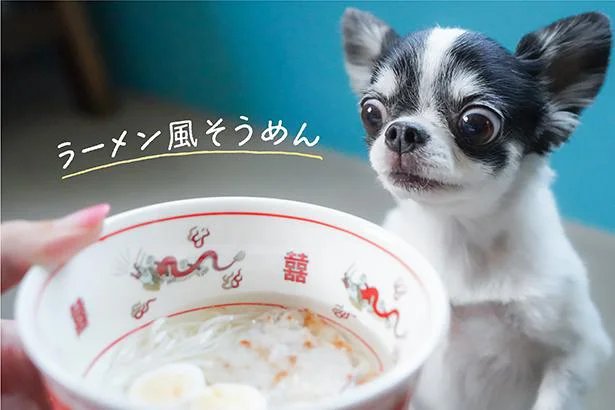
[[479, 124], [372, 115]]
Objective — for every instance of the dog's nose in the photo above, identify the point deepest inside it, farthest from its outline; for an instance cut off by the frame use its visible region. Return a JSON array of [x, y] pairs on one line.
[[402, 137]]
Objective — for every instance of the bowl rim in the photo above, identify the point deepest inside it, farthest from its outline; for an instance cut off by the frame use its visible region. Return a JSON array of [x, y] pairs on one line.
[[35, 280]]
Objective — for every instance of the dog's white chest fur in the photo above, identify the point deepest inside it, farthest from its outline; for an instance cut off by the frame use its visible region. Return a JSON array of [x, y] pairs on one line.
[[519, 299], [484, 364]]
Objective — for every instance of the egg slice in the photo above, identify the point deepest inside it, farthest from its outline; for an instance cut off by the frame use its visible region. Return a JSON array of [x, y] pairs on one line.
[[229, 396], [168, 385]]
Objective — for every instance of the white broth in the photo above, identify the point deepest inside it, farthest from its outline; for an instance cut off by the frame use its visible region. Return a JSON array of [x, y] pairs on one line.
[[288, 355]]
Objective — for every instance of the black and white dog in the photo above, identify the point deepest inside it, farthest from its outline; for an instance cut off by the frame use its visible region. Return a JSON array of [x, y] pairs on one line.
[[459, 130]]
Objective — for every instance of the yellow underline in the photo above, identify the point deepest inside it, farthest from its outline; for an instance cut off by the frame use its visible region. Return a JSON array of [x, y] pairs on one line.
[[181, 154]]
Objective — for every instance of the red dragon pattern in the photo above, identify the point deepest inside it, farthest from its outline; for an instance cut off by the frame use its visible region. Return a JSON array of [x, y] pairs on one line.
[[362, 295], [152, 273], [168, 266]]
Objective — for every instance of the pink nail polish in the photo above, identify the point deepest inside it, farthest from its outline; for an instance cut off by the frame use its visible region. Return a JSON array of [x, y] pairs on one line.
[[88, 217]]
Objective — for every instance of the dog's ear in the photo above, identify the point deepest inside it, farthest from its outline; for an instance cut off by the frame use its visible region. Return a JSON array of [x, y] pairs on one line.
[[365, 39], [570, 57]]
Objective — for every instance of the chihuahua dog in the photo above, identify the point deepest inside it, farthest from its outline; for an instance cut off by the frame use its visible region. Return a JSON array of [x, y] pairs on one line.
[[459, 130]]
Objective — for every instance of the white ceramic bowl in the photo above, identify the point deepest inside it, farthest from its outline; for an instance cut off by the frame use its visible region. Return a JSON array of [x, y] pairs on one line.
[[150, 262]]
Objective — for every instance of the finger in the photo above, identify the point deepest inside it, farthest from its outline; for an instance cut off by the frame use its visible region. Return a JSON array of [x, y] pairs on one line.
[[47, 243], [22, 385]]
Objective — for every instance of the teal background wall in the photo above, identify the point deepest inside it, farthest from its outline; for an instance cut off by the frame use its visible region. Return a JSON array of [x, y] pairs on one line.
[[283, 60]]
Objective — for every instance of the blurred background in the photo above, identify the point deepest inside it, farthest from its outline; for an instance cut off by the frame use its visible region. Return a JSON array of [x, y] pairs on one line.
[[83, 73], [265, 60]]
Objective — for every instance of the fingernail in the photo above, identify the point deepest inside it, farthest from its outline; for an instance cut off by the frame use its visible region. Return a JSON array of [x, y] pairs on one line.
[[88, 217]]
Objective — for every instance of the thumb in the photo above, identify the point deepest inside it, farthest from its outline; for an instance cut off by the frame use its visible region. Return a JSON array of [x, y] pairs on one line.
[[48, 243]]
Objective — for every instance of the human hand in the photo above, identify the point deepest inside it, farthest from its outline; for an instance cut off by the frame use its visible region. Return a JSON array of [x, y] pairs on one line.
[[24, 244]]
